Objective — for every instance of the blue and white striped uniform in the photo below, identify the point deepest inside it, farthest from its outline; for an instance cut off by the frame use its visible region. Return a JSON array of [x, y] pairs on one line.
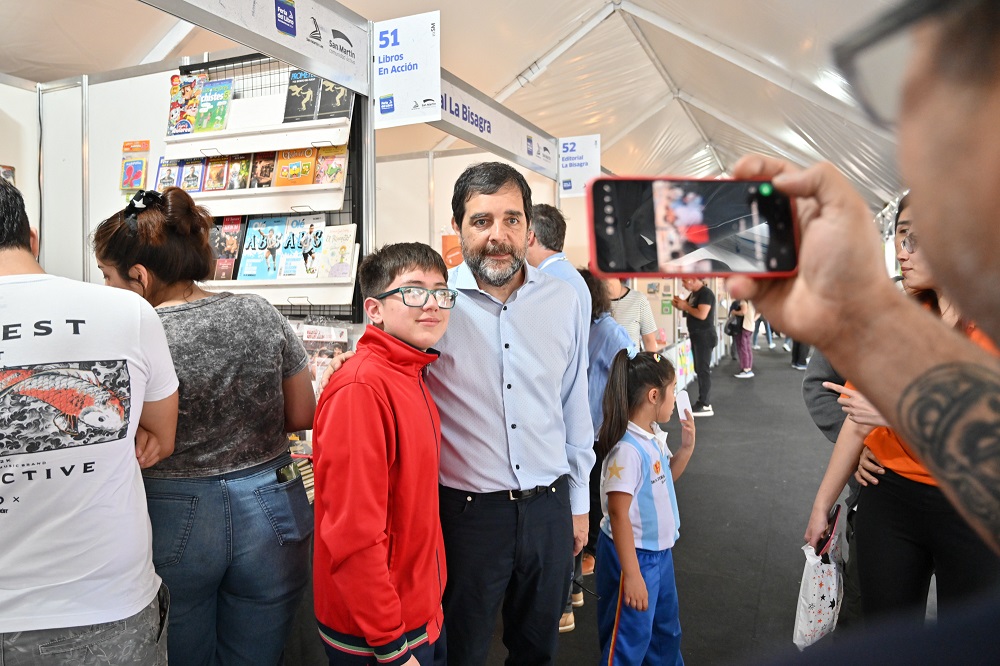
[[639, 465]]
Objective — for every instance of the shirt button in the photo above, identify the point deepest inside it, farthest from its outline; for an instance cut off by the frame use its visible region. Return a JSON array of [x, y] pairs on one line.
[[517, 467], [513, 426], [505, 307], [508, 385], [506, 345]]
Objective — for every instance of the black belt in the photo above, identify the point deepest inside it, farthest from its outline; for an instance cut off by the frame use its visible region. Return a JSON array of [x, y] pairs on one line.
[[515, 495]]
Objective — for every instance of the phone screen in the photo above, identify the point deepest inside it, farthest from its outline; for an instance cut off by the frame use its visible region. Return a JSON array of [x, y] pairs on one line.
[[673, 227], [683, 402]]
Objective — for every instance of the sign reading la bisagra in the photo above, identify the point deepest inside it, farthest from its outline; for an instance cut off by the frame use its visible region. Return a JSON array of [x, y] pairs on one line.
[[465, 112]]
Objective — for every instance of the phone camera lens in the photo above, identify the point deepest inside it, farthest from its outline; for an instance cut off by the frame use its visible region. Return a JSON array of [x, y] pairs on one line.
[[607, 199], [610, 231], [610, 219], [609, 209], [606, 187]]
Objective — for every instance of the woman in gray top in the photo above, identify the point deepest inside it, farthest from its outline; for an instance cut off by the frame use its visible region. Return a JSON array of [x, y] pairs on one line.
[[231, 521]]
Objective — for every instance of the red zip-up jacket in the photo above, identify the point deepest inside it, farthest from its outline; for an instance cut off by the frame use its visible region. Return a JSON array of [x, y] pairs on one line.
[[379, 567]]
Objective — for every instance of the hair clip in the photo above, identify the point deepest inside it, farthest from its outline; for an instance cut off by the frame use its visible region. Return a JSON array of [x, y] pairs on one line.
[[139, 202], [656, 357], [633, 351]]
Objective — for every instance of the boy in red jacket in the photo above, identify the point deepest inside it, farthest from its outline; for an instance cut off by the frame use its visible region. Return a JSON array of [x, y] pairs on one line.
[[379, 568]]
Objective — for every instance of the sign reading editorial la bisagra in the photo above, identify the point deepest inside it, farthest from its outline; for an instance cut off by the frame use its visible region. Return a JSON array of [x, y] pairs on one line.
[[466, 113]]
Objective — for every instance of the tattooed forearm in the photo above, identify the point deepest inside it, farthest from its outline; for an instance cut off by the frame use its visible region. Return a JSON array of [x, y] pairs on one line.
[[951, 419]]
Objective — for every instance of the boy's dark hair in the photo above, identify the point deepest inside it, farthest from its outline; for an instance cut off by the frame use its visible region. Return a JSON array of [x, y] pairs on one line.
[[377, 271], [488, 178], [549, 226], [600, 299], [170, 238], [628, 382], [14, 231]]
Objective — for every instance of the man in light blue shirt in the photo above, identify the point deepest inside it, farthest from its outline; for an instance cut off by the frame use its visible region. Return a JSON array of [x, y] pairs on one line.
[[517, 441], [545, 252]]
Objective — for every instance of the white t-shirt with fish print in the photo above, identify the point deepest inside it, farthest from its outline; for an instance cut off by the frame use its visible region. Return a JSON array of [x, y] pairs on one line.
[[77, 362]]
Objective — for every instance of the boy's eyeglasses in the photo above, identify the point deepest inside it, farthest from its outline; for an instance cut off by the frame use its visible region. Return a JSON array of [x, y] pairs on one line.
[[909, 243], [874, 58], [416, 297]]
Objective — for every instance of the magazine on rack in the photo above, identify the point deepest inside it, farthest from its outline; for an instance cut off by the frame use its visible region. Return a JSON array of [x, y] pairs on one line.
[[303, 239]]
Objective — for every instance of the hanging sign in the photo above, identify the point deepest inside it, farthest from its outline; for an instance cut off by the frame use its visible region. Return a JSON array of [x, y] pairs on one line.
[[407, 82], [579, 161], [482, 121], [321, 37]]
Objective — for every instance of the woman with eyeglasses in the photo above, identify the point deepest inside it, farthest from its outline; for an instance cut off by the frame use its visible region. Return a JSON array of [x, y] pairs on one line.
[[231, 520], [905, 529]]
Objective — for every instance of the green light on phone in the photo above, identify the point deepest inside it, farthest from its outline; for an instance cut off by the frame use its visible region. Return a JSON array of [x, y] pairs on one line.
[[766, 189]]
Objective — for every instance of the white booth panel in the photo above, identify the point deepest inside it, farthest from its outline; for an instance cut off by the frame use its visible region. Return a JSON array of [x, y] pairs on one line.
[[132, 109], [19, 142], [402, 203], [577, 245], [62, 249]]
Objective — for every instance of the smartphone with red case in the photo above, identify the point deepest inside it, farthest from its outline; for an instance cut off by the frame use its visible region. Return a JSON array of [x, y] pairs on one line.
[[685, 227]]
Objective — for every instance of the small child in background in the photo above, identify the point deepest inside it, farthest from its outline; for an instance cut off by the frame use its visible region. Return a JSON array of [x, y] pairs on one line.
[[637, 612]]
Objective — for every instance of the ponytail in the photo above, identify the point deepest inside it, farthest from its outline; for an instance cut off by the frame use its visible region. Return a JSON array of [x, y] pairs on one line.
[[632, 375]]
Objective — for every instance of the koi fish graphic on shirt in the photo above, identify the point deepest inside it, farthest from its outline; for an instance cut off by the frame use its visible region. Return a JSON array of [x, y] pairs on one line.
[[76, 398]]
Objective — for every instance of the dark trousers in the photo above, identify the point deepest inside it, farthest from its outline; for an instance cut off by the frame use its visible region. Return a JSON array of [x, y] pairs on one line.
[[702, 345], [596, 511], [800, 353], [906, 531], [514, 553]]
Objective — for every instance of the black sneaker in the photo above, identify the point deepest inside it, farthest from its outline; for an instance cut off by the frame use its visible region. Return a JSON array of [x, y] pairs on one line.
[[702, 410]]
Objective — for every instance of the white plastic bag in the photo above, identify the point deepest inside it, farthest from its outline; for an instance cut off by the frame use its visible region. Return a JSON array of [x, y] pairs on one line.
[[821, 591]]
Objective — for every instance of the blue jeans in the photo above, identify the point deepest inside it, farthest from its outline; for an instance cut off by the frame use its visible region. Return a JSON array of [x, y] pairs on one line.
[[234, 551], [139, 640], [767, 330]]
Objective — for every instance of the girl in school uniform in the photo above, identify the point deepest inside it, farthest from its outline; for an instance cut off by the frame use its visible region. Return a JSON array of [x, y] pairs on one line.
[[637, 611]]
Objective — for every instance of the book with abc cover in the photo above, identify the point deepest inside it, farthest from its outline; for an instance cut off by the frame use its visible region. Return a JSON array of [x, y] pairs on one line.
[[302, 242], [261, 244]]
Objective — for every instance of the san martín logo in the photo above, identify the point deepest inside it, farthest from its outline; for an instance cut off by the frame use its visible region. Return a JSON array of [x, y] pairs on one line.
[[337, 46]]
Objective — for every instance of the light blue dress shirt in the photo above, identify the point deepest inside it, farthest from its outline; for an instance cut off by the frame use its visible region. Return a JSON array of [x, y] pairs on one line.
[[511, 388], [607, 338], [558, 266]]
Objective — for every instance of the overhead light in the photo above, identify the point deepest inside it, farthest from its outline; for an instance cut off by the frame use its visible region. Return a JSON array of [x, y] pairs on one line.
[[835, 85]]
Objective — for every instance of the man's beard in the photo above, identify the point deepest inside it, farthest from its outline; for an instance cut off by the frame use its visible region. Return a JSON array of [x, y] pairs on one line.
[[486, 269]]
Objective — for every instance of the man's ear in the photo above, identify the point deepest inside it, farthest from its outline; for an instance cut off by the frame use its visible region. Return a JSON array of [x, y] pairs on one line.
[[373, 308], [33, 242], [454, 225]]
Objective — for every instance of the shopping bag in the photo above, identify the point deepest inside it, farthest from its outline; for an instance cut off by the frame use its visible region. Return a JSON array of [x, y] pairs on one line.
[[734, 324], [821, 590]]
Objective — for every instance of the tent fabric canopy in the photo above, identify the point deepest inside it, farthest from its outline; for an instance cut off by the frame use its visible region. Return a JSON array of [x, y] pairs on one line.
[[673, 86]]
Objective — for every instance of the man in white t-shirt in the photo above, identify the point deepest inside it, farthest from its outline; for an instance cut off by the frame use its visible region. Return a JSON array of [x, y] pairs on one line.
[[82, 367]]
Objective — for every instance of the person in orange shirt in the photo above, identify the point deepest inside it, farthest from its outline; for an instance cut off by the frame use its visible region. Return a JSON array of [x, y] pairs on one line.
[[905, 529]]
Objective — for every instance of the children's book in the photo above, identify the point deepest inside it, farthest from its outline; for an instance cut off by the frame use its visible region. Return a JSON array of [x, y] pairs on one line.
[[239, 172], [227, 246], [261, 244], [168, 174], [185, 90], [192, 175], [303, 239], [213, 105], [262, 170], [216, 170], [335, 101], [133, 175], [294, 167], [335, 258], [331, 165], [302, 96]]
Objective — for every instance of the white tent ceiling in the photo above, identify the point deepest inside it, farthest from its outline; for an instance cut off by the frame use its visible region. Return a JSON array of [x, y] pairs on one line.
[[672, 86]]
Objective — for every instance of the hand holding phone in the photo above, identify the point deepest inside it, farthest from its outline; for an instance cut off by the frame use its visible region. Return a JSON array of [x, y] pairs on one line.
[[672, 227], [683, 402]]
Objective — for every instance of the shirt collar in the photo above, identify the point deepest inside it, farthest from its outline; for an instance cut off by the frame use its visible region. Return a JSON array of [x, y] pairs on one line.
[[409, 360], [551, 259], [657, 438]]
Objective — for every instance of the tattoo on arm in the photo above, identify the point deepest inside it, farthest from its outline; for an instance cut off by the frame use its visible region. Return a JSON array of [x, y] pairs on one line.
[[951, 417]]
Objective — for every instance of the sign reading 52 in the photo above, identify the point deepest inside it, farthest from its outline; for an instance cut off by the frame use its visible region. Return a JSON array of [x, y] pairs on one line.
[[383, 38]]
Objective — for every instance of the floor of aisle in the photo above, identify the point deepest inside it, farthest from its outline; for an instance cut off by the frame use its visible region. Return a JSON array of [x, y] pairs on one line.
[[744, 501]]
